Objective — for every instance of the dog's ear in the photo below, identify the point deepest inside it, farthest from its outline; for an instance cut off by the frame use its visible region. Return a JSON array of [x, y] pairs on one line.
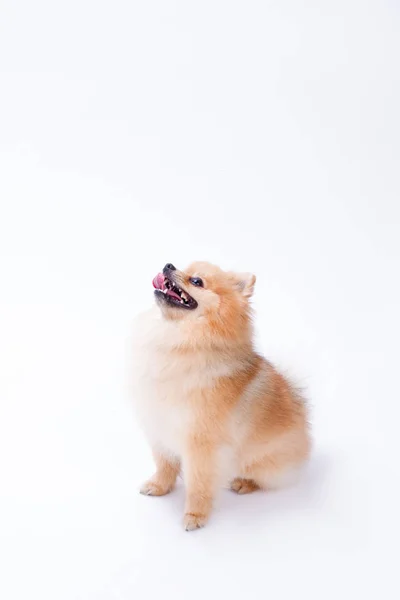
[[245, 283]]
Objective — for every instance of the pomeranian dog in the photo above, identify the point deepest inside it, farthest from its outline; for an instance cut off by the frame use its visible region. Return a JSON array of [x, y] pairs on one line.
[[211, 407]]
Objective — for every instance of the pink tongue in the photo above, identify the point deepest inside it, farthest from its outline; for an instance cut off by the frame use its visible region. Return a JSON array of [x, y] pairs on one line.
[[171, 293], [158, 282]]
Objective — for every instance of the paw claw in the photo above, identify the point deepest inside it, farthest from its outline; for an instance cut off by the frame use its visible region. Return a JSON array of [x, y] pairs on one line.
[[150, 488], [193, 521]]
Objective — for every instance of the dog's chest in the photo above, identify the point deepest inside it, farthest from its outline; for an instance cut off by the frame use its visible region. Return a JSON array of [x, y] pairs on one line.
[[162, 399], [167, 385], [164, 418]]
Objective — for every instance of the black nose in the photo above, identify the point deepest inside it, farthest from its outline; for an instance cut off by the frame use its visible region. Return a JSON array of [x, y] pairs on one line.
[[170, 267]]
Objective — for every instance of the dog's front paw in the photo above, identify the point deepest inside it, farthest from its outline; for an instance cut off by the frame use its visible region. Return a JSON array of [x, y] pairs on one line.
[[193, 521], [152, 488]]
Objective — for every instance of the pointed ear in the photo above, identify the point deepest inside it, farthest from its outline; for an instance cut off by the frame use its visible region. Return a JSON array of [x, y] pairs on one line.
[[245, 283]]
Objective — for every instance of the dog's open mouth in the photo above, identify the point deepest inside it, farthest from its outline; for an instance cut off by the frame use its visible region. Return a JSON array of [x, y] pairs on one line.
[[167, 290]]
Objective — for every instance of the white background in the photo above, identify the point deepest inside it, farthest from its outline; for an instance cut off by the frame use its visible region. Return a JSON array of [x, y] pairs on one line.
[[260, 135]]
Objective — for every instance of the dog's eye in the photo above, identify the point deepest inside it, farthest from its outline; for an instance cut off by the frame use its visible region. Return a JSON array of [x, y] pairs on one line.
[[197, 281]]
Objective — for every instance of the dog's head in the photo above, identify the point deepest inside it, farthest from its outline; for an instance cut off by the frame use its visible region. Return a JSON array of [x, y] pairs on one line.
[[204, 292]]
